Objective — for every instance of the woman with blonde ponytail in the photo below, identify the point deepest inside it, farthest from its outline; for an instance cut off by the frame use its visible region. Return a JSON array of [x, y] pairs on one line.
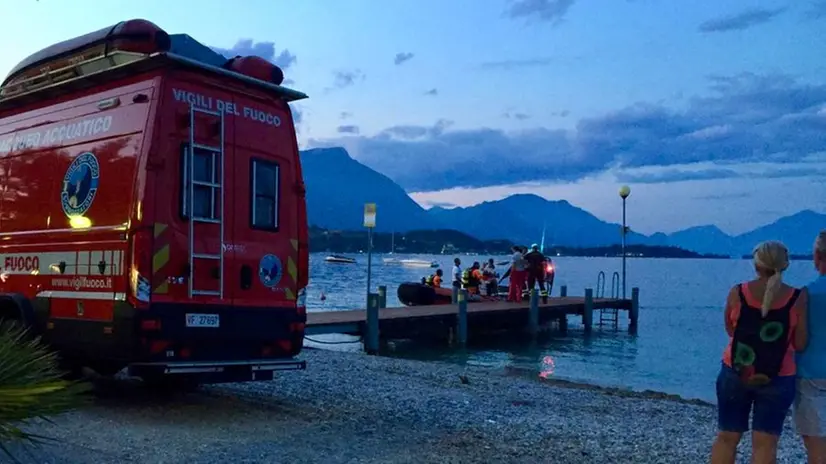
[[766, 322], [810, 402]]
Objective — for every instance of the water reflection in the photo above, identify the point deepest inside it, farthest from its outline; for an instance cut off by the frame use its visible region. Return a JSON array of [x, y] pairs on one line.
[[547, 368]]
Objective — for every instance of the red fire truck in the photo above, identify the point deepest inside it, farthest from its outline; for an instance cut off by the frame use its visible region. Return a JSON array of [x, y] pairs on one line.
[[152, 207]]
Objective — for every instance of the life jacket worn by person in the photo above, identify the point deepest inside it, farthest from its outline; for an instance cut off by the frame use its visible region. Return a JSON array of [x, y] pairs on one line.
[[429, 280], [469, 279], [759, 343], [434, 280]]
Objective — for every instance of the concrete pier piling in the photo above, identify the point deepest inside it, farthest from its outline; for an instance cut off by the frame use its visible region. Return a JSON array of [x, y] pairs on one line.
[[634, 312], [588, 310], [382, 296], [461, 318], [371, 339], [533, 313]]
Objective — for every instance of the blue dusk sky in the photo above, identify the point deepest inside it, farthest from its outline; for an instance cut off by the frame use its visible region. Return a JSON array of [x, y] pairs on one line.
[[714, 112]]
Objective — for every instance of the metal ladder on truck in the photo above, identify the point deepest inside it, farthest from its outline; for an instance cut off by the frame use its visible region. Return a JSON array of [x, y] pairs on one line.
[[217, 160], [608, 315]]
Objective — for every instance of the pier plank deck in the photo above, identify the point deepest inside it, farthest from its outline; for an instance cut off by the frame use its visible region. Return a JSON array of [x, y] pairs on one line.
[[349, 321]]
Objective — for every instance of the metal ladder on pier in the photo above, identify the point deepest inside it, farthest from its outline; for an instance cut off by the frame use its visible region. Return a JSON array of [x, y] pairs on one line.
[[215, 184], [608, 315]]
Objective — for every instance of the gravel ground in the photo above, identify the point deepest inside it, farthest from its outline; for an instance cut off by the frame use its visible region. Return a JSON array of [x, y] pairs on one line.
[[353, 408]]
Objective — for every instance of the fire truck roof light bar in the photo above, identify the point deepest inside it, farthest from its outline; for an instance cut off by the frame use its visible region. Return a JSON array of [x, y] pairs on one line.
[[124, 60]]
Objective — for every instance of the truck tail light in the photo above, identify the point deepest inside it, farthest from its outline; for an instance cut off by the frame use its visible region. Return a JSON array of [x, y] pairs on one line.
[[301, 301], [140, 269]]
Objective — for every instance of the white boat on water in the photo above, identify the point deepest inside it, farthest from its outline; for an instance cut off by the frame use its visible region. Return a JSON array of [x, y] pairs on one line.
[[418, 263], [392, 260], [339, 259]]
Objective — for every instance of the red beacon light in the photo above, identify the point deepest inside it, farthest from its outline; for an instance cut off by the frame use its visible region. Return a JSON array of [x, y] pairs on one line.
[[139, 36], [256, 67]]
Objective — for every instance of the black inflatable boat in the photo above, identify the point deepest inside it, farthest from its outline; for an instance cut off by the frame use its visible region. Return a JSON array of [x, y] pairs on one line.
[[419, 294]]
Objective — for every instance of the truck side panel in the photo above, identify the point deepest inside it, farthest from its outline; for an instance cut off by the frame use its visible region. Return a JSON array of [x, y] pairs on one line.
[[67, 173], [36, 153]]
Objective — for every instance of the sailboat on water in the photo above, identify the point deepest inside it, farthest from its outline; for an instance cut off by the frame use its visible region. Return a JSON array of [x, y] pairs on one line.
[[392, 259]]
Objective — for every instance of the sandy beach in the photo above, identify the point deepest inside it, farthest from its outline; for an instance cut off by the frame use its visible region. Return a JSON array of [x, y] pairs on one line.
[[353, 408]]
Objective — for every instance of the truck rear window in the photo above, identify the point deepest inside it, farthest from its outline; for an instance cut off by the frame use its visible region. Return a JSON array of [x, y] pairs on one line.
[[264, 191], [207, 183]]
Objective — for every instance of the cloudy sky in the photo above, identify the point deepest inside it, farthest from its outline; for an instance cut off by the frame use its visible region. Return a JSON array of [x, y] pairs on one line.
[[713, 112]]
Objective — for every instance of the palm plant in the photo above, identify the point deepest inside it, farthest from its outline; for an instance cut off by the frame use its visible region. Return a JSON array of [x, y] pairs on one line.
[[31, 385]]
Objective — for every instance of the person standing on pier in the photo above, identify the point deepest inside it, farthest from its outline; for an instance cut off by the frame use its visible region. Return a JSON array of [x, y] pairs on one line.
[[517, 275], [766, 322], [536, 271], [810, 402], [457, 273], [550, 273]]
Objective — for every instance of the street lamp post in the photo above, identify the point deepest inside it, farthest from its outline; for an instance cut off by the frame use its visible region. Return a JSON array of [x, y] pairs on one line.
[[369, 223], [624, 191]]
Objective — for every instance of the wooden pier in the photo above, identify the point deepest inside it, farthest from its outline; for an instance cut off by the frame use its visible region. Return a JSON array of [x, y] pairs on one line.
[[461, 320]]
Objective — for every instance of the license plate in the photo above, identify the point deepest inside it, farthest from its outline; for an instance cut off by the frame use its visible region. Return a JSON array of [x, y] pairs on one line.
[[203, 320]]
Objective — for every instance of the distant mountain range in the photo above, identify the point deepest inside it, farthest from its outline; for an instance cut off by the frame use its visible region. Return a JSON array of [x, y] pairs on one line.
[[339, 186], [453, 242]]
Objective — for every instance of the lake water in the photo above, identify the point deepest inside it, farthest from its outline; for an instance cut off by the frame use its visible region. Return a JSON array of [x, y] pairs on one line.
[[677, 349]]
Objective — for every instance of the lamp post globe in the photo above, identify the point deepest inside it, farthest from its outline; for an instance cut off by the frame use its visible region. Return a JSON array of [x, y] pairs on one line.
[[624, 191]]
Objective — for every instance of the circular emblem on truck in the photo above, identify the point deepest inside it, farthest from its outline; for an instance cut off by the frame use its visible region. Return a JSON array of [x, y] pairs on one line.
[[80, 184], [270, 270]]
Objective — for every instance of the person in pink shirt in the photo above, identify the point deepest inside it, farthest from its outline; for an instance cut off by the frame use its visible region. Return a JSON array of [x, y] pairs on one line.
[[518, 275]]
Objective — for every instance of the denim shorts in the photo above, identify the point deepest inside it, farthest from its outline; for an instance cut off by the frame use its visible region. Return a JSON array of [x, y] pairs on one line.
[[770, 403]]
